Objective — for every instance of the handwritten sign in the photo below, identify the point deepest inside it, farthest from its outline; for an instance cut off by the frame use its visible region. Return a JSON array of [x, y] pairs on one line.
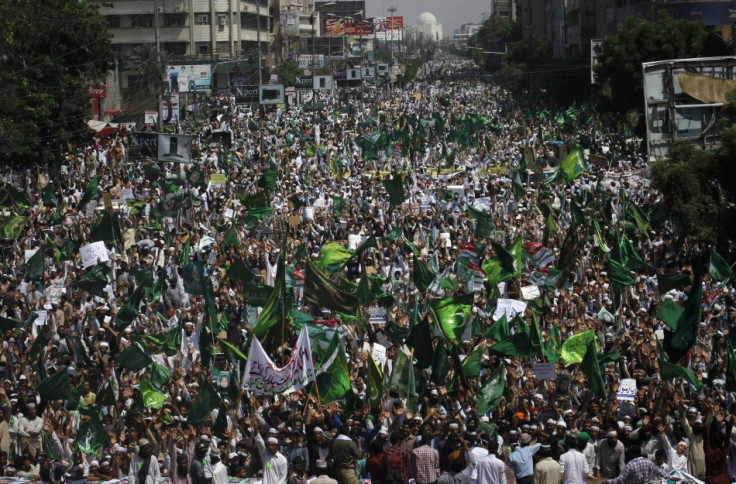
[[55, 291], [530, 292], [544, 371], [378, 315], [93, 253], [126, 194], [218, 179], [379, 354], [509, 307], [354, 241], [626, 390]]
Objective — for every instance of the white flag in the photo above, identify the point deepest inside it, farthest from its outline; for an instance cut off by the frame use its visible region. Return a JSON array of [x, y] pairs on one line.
[[264, 377]]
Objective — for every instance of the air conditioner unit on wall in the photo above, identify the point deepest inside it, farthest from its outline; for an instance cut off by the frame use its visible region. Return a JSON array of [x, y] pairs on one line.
[[223, 21]]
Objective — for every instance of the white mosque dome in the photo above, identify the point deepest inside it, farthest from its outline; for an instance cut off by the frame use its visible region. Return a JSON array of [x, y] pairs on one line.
[[427, 18]]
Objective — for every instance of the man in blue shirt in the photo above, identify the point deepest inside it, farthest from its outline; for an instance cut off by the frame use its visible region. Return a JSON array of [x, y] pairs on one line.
[[521, 460]]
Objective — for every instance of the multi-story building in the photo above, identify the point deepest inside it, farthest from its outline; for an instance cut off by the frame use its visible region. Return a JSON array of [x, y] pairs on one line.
[[188, 31]]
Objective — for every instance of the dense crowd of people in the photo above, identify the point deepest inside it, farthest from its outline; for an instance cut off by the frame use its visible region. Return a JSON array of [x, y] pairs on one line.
[[328, 192]]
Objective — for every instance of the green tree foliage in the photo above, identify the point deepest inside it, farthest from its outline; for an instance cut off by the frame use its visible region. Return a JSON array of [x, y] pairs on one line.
[[50, 51], [288, 71], [689, 187], [638, 40], [148, 63]]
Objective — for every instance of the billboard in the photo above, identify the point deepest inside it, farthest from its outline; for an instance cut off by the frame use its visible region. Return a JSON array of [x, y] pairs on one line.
[[388, 29], [189, 77], [174, 148], [245, 94], [683, 99], [272, 94], [290, 22], [305, 61], [170, 108], [143, 145], [304, 82], [348, 26]]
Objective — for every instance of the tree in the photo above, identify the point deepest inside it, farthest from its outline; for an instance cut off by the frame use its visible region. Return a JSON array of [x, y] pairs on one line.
[[690, 191], [148, 63], [288, 71], [638, 40], [50, 51]]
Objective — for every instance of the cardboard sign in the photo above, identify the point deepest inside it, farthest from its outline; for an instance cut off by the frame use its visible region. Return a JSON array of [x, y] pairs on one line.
[[530, 292], [509, 307], [378, 314], [544, 371], [218, 179], [308, 213], [107, 198], [294, 221], [354, 241], [93, 253], [91, 208], [55, 291], [229, 213], [626, 390], [379, 354]]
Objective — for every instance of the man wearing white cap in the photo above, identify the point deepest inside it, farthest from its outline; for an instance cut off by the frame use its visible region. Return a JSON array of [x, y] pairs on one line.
[[275, 466], [610, 458], [692, 424], [143, 467]]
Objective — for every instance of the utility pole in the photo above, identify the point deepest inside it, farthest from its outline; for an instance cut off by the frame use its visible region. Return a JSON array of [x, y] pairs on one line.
[[160, 67], [258, 41], [391, 10]]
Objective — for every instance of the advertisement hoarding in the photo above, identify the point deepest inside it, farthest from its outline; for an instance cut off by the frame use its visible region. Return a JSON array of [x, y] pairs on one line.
[[388, 28], [305, 61], [189, 77]]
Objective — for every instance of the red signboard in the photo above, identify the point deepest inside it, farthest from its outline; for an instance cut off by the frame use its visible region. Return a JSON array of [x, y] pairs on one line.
[[97, 91], [394, 23]]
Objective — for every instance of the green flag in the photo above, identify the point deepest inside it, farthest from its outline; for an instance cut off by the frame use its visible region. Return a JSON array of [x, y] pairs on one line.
[[677, 343], [517, 344], [670, 313], [423, 277], [573, 165], [36, 265], [420, 338], [440, 365], [207, 400], [395, 234], [152, 397], [134, 358], [333, 381], [578, 218], [453, 315], [718, 268], [640, 219], [670, 371], [238, 271], [472, 362], [402, 375], [271, 327], [374, 383], [554, 344], [331, 257], [667, 282], [91, 437], [574, 347], [11, 227], [490, 393], [321, 291], [395, 189], [231, 238], [54, 387], [499, 331], [39, 344], [107, 229], [268, 178], [592, 370], [339, 204], [509, 262], [193, 278], [90, 191], [95, 279], [619, 274]]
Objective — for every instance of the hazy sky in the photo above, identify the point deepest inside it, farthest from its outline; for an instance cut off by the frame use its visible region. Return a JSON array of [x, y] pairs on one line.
[[450, 13]]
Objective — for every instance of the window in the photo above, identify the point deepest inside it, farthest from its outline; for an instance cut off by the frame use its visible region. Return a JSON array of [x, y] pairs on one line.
[[174, 19], [202, 19], [203, 50], [142, 21], [113, 22]]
